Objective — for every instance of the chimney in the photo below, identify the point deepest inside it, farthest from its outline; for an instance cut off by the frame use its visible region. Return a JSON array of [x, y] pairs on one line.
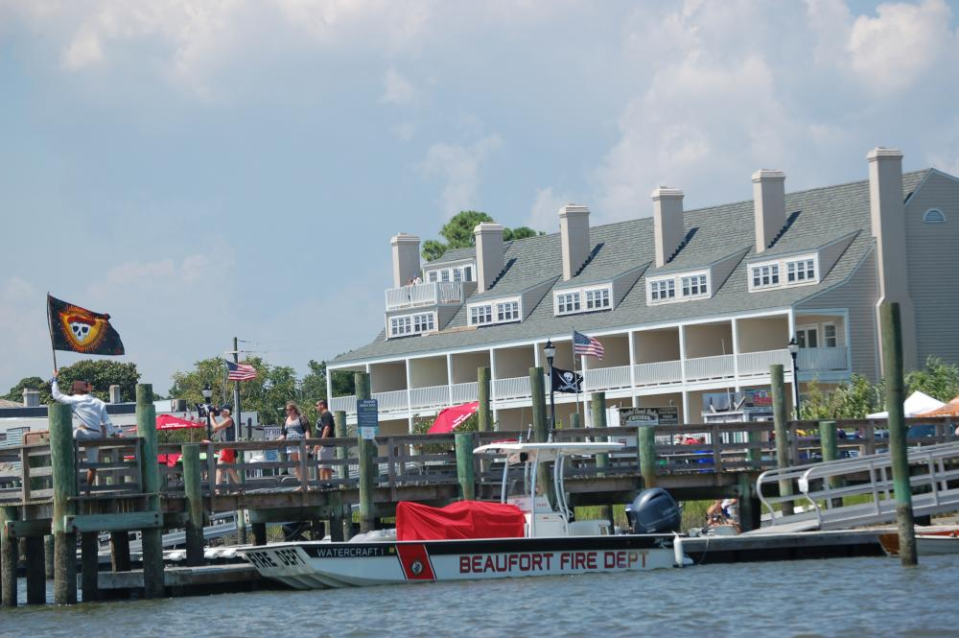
[[574, 230], [888, 222], [406, 258], [114, 394], [667, 222], [769, 206], [489, 254], [31, 398]]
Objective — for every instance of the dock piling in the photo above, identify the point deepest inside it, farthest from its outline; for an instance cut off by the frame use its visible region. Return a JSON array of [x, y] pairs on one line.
[[541, 433], [781, 429], [9, 555], [89, 566], [830, 452], [152, 538], [35, 571], [597, 406], [485, 413], [120, 551], [64, 489], [193, 489], [368, 469], [48, 556], [465, 473]]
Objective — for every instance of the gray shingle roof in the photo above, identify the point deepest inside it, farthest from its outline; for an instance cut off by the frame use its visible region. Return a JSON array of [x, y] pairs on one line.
[[824, 215]]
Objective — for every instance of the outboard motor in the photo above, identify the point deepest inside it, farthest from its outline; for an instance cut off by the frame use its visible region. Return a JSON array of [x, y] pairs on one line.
[[653, 512]]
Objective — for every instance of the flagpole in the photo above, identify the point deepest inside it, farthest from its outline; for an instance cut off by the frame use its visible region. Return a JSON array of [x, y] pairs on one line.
[[50, 328]]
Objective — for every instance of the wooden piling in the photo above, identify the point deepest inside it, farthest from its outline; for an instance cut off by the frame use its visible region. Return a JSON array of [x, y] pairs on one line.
[[898, 452], [48, 556], [780, 427], [152, 539], [830, 452], [193, 489], [9, 556], [89, 566], [341, 432], [368, 469], [64, 489], [544, 472], [464, 466], [259, 533], [483, 389], [750, 508], [120, 551], [597, 408], [646, 437], [35, 571]]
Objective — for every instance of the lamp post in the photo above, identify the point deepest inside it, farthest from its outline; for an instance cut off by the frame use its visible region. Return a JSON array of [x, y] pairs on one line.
[[793, 348], [207, 393], [550, 350]]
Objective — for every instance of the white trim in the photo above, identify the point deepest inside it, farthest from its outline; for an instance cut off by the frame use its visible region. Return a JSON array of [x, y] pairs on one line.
[[677, 279], [494, 303], [581, 294], [782, 262]]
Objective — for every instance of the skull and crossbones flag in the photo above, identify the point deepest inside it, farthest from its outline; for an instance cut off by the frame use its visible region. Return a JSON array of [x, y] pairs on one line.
[[77, 329], [567, 381]]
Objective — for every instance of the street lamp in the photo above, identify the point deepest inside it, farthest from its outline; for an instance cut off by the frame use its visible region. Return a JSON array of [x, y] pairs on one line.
[[207, 393], [793, 348], [550, 350]]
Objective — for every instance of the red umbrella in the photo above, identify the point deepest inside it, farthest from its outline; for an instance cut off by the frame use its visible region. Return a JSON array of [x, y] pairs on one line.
[[450, 418], [170, 422]]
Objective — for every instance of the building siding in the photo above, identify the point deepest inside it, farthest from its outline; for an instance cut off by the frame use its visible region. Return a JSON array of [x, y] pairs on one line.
[[933, 262], [858, 295]]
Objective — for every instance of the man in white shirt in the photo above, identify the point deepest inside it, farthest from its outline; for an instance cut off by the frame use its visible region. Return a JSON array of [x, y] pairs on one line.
[[92, 420]]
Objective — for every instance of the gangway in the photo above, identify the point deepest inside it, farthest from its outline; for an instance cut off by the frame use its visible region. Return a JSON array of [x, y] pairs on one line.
[[819, 489]]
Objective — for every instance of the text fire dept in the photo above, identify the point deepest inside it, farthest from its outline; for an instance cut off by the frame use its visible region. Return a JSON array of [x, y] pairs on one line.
[[550, 561]]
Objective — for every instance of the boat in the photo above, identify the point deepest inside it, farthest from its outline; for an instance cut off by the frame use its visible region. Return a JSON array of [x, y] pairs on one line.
[[928, 542], [444, 544]]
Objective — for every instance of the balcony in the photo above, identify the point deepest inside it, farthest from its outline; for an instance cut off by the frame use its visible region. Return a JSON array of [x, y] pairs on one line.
[[757, 363], [658, 373], [711, 368], [615, 378], [823, 359], [421, 295]]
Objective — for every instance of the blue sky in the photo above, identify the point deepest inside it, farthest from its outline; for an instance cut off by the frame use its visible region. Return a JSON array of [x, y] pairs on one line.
[[202, 169]]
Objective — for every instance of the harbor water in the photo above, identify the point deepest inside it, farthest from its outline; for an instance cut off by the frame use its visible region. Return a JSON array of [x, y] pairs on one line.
[[839, 597]]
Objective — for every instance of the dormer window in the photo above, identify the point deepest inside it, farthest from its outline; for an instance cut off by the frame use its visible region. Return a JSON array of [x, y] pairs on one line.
[[480, 315], [679, 287], [800, 270], [765, 276], [662, 290], [460, 272], [592, 299], [417, 324], [567, 303], [495, 311], [508, 311], [785, 272], [597, 299], [695, 286]]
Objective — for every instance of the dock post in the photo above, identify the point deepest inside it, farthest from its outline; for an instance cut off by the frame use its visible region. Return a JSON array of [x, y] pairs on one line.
[[646, 437], [259, 533], [368, 469], [48, 556], [341, 432], [574, 421], [750, 509], [89, 566], [120, 551], [464, 465], [830, 452], [193, 489], [152, 539], [483, 396], [36, 573], [781, 429], [9, 555], [64, 488], [597, 407], [895, 396], [541, 433]]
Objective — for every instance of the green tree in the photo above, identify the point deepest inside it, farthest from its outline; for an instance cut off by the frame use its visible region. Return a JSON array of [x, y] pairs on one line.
[[30, 383], [433, 250], [102, 373], [853, 400], [313, 386], [458, 233], [938, 379], [520, 232]]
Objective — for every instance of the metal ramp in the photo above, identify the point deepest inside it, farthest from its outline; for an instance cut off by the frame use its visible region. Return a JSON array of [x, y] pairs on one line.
[[866, 481]]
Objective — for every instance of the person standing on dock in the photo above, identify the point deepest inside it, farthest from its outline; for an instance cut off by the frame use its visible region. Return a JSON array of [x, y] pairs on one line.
[[92, 420], [325, 429], [227, 456], [295, 428]]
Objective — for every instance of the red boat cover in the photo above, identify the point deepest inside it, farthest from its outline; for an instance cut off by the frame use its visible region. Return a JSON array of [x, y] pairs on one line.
[[465, 519]]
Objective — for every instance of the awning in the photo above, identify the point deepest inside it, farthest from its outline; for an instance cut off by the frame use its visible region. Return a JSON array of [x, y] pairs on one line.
[[948, 409], [170, 422], [918, 402], [451, 418]]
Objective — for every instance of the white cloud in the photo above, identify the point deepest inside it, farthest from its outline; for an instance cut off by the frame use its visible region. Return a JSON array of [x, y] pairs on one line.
[[459, 165], [397, 89], [26, 340], [83, 51], [405, 131], [543, 216]]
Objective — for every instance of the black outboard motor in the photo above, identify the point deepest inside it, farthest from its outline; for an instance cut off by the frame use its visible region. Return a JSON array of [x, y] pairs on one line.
[[653, 512]]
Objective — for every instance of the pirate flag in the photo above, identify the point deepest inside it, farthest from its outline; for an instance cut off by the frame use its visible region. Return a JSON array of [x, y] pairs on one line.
[[76, 329], [567, 381]]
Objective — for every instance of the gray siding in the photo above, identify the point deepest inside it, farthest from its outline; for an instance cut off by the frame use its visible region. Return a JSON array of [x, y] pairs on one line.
[[859, 294], [533, 296], [933, 254], [624, 283], [831, 253], [445, 314], [720, 271]]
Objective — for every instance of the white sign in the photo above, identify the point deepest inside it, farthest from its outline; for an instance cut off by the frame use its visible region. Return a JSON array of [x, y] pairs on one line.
[[368, 433]]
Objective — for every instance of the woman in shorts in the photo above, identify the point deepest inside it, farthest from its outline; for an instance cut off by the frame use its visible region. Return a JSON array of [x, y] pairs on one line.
[[295, 428]]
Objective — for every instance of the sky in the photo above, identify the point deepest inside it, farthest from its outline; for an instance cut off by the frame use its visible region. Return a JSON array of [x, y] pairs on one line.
[[204, 169]]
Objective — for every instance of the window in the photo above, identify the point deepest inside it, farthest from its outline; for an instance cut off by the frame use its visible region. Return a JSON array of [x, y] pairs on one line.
[[481, 314], [765, 276], [802, 270], [694, 286], [508, 311], [807, 337], [400, 326], [597, 299], [467, 273], [457, 274], [567, 302], [433, 276], [445, 274], [423, 323], [663, 289], [829, 335], [934, 216]]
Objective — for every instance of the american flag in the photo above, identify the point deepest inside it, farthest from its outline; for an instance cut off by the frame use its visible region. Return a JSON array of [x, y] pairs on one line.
[[588, 346], [239, 371]]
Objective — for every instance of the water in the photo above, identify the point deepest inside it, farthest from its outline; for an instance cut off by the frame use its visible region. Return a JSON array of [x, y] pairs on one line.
[[840, 597]]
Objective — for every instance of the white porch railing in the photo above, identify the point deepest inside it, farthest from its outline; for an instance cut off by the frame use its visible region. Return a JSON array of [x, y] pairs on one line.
[[757, 363], [394, 401], [345, 404], [509, 389], [427, 294], [822, 359], [658, 373], [707, 368], [607, 378], [431, 397], [465, 393]]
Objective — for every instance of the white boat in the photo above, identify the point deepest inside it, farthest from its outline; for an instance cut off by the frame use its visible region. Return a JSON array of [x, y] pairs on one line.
[[928, 542], [547, 542]]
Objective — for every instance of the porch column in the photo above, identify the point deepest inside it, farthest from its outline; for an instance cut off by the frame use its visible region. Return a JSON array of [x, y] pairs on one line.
[[736, 353], [632, 361], [682, 355], [449, 376], [409, 387]]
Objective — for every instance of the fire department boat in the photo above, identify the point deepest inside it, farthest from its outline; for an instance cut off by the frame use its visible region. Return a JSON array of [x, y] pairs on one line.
[[529, 537]]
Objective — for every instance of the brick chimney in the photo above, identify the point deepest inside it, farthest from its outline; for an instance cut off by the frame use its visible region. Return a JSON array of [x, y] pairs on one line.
[[489, 254], [31, 398], [667, 222], [888, 223], [406, 258], [574, 231], [769, 206]]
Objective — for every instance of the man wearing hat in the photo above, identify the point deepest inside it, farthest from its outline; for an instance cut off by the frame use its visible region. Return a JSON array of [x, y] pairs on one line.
[[92, 420]]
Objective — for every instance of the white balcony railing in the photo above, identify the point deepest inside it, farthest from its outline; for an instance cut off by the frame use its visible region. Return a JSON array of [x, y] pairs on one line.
[[429, 294], [658, 373], [344, 404], [432, 397], [822, 359], [614, 378], [709, 368], [510, 389], [757, 363], [395, 401], [465, 393]]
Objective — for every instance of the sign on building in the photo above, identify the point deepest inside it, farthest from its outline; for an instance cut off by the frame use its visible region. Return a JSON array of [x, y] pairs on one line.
[[368, 418]]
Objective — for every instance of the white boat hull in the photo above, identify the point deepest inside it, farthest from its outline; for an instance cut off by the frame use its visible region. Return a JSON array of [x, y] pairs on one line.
[[315, 565]]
